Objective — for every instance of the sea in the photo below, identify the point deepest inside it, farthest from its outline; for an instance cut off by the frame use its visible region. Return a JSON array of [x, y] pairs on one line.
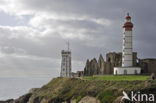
[[12, 88]]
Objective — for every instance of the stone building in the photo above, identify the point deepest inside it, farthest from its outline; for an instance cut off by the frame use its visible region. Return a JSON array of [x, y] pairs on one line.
[[92, 68], [66, 64], [114, 59], [73, 74], [103, 67], [148, 65], [80, 73], [77, 74]]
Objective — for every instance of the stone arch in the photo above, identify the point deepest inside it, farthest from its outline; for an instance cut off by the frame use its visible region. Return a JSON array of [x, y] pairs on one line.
[[109, 59]]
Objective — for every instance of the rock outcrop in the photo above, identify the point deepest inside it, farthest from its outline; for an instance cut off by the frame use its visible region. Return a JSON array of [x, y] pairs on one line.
[[153, 76], [89, 99], [23, 99], [8, 101]]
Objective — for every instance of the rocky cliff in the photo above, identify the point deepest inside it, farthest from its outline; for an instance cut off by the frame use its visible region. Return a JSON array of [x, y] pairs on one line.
[[76, 90]]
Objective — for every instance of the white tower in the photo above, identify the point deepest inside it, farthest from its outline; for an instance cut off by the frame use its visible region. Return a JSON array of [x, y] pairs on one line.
[[127, 51], [66, 63]]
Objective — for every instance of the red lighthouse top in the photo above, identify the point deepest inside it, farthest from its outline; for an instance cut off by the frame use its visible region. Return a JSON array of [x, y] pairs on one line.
[[127, 17], [128, 25]]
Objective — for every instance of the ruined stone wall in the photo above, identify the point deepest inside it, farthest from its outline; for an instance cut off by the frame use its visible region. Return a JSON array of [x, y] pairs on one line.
[[106, 67], [92, 68], [135, 58], [87, 68], [148, 66], [116, 59], [101, 65], [80, 73], [113, 59]]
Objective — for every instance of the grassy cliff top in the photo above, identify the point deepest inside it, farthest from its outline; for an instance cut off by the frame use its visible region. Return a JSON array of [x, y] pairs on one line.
[[104, 88], [118, 77]]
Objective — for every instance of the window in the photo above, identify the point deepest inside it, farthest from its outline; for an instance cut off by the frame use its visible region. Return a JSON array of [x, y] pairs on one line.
[[64, 59], [63, 64], [109, 59], [135, 72], [125, 72], [116, 72]]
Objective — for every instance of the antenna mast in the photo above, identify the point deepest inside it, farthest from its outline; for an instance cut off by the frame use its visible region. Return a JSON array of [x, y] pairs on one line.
[[68, 45]]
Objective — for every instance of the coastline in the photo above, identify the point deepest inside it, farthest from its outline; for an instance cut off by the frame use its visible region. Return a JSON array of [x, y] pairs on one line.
[[13, 87]]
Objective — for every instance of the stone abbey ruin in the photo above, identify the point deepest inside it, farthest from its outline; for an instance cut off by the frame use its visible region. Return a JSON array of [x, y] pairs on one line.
[[113, 59]]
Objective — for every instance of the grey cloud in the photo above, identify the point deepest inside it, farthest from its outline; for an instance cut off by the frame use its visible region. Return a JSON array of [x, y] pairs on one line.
[[22, 67], [97, 38]]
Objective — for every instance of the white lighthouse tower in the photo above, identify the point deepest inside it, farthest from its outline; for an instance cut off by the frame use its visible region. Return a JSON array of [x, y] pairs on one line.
[[127, 50], [66, 63]]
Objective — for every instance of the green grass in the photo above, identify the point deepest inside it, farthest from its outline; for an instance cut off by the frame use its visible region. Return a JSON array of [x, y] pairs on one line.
[[78, 99], [106, 88], [117, 78], [106, 96]]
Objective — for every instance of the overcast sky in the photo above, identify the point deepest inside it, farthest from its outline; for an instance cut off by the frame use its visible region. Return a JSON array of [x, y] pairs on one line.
[[33, 33]]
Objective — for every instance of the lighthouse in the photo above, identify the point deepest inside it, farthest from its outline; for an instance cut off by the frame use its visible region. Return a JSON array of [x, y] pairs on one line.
[[66, 63], [127, 50]]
